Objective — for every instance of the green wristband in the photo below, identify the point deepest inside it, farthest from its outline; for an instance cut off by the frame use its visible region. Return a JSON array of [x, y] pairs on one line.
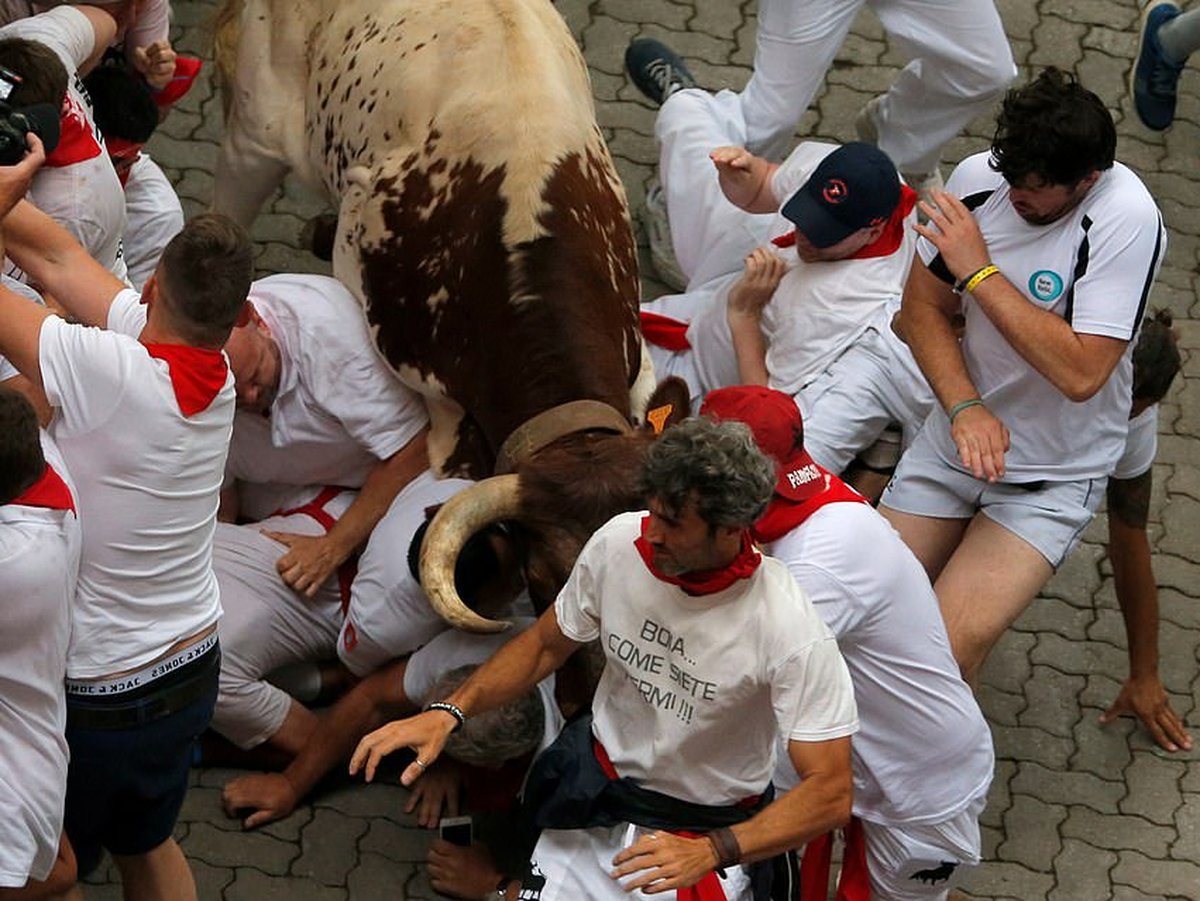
[[962, 405]]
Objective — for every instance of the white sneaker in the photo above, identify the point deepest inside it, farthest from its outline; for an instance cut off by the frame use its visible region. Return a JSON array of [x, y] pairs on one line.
[[658, 233], [866, 126]]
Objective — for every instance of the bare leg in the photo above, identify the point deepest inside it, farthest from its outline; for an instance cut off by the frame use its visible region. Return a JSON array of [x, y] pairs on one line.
[[161, 874], [930, 538], [984, 587]]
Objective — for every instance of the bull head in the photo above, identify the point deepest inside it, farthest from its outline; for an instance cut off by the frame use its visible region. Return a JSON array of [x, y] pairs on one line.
[[561, 493]]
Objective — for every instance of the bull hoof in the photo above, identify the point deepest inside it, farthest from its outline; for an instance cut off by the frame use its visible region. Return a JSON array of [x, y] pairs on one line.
[[318, 234]]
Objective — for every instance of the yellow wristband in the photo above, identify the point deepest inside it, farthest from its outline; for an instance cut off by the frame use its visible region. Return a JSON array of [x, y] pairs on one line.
[[974, 281]]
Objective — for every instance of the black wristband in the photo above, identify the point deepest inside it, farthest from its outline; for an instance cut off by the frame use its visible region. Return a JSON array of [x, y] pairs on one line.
[[453, 709], [725, 844]]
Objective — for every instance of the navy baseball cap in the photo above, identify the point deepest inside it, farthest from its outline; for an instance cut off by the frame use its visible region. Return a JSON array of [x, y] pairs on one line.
[[854, 187]]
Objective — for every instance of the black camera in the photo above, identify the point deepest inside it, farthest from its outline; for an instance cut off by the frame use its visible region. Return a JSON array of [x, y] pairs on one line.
[[41, 118]]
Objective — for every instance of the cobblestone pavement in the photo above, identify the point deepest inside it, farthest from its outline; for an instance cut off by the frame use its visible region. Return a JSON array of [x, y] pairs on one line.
[[1077, 811]]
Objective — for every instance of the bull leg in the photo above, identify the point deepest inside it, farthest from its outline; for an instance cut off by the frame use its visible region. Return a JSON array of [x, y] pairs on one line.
[[245, 177]]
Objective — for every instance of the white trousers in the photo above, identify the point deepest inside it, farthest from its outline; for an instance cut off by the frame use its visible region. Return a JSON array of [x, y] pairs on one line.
[[960, 61], [874, 383], [710, 236], [265, 626], [153, 216]]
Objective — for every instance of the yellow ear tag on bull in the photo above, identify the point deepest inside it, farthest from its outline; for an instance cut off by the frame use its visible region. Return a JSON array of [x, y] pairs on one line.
[[658, 417]]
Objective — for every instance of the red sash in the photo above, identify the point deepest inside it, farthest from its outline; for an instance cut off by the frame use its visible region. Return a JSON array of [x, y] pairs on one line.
[[197, 375], [349, 569], [50, 491], [887, 243], [186, 70], [709, 886], [854, 883], [708, 581], [663, 331], [783, 515]]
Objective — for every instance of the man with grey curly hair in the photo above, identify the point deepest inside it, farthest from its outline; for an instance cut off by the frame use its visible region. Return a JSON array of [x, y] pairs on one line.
[[712, 652]]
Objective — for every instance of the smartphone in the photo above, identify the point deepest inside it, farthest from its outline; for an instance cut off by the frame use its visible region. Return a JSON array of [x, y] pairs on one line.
[[456, 830]]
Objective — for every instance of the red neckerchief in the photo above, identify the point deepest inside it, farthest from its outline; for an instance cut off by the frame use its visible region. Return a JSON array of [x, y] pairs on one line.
[[709, 887], [708, 581], [665, 332], [77, 139], [197, 375], [783, 514], [186, 70], [887, 243], [49, 491]]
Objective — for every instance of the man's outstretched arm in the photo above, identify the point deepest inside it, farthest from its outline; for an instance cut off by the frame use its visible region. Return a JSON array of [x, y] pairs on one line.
[[512, 671], [264, 797], [1137, 593], [57, 263]]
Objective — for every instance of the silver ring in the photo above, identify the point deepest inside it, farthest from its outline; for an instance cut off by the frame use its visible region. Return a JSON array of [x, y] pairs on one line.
[[422, 764]]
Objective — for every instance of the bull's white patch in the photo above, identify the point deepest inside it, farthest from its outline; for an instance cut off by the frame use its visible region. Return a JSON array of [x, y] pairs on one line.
[[1046, 285]]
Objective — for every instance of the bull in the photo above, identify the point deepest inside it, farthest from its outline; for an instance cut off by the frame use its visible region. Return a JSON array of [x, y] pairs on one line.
[[481, 224]]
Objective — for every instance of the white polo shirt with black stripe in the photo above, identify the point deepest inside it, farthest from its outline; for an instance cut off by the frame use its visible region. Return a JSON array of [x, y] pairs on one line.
[[1094, 267]]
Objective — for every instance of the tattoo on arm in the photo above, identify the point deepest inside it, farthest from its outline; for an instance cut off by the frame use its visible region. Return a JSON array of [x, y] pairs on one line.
[[1129, 499]]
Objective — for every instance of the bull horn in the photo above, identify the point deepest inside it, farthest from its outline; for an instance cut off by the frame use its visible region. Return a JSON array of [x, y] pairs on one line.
[[459, 518]]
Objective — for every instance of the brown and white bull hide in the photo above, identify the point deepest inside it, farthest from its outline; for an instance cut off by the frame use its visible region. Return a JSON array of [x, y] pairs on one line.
[[481, 221]]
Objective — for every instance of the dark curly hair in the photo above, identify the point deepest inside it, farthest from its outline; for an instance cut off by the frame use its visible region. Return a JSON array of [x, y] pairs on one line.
[[1156, 358], [1053, 129]]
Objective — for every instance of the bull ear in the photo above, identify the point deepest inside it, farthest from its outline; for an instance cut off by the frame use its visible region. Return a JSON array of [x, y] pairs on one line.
[[670, 403]]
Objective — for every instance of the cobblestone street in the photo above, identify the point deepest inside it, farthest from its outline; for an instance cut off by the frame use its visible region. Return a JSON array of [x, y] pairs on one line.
[[1078, 812]]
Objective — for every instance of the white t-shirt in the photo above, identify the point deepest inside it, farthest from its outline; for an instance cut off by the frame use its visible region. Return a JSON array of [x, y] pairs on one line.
[[453, 649], [82, 192], [1141, 445], [39, 560], [149, 480], [817, 310], [339, 411], [389, 615], [923, 751], [1094, 267], [696, 689]]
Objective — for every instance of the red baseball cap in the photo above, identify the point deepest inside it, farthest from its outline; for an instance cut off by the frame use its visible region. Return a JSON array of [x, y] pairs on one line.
[[778, 429]]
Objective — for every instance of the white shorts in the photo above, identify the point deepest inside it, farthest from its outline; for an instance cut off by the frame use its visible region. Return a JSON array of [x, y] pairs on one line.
[[572, 864], [874, 383], [265, 625], [922, 863], [1047, 515]]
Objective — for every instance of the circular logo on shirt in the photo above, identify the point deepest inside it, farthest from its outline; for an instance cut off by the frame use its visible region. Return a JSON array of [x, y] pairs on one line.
[[1045, 285]]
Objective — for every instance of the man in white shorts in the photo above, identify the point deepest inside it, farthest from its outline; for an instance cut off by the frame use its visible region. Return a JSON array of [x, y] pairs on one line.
[[785, 264], [39, 562], [1050, 254], [712, 652], [78, 187], [144, 411], [317, 407], [923, 754]]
